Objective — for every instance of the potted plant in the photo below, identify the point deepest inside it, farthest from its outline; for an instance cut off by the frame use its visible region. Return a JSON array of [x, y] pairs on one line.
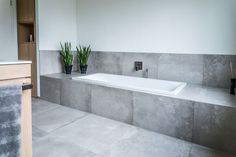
[[67, 57], [83, 53]]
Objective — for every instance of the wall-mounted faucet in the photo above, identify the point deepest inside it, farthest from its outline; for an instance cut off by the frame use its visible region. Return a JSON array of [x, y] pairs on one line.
[[138, 65]]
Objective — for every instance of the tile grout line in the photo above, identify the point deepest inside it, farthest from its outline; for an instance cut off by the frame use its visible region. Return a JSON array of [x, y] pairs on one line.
[[77, 119]]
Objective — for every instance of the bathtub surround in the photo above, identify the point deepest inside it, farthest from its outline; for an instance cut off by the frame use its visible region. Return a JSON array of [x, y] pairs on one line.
[[206, 70], [185, 116], [10, 126]]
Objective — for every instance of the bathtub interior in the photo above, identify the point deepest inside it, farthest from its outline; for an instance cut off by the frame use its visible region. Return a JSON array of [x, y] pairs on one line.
[[147, 85]]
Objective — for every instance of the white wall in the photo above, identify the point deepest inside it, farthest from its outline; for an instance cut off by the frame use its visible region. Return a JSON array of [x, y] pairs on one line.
[[165, 26], [57, 23], [8, 31]]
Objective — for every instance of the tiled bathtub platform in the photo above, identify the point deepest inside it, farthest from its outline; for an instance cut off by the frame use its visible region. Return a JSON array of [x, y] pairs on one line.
[[203, 115]]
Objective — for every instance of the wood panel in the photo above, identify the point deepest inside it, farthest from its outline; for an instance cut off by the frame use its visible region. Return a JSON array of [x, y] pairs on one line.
[[26, 11], [26, 124], [32, 56], [15, 71], [26, 27], [27, 52]]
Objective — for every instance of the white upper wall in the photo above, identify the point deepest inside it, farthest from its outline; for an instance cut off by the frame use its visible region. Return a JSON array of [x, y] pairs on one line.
[[57, 23], [8, 31], [165, 26]]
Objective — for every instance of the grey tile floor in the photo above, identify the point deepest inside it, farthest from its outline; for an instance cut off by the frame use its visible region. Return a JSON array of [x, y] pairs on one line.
[[60, 131]]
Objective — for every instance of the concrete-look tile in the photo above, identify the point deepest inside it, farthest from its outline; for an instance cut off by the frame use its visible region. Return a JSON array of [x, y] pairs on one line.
[[165, 115], [50, 146], [217, 71], [37, 133], [192, 68], [56, 118], [50, 89], [39, 106], [185, 68], [200, 151], [214, 126], [149, 62], [46, 60], [149, 144], [108, 62], [76, 95], [170, 67], [92, 63], [112, 103], [95, 133]]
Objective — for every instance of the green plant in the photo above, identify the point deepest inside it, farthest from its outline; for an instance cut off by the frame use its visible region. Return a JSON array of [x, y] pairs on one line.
[[66, 54], [83, 53]]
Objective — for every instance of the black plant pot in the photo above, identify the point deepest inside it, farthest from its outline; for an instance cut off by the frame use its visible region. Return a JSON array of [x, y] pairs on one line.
[[233, 86], [83, 69], [68, 69]]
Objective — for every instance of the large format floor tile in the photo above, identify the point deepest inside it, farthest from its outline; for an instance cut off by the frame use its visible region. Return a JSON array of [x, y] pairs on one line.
[[56, 118], [150, 144], [66, 132], [56, 147], [40, 106], [95, 133]]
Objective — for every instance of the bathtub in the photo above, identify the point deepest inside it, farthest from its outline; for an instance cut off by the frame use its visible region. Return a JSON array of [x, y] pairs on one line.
[[146, 85]]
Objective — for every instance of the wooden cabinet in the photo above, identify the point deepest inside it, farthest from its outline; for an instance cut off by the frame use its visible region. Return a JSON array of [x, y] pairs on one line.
[[26, 11], [27, 52], [21, 74], [26, 37]]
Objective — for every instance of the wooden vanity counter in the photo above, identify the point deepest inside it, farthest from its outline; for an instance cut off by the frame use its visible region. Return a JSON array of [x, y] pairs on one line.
[[19, 72]]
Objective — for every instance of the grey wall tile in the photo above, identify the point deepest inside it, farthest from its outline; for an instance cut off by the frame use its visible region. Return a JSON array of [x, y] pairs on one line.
[[217, 71], [112, 103], [108, 62], [76, 95], [214, 126], [149, 60], [50, 89], [177, 67], [209, 70], [50, 62], [92, 63], [165, 115]]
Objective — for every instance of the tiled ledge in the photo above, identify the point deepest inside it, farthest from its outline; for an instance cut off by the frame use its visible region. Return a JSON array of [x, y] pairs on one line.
[[196, 93]]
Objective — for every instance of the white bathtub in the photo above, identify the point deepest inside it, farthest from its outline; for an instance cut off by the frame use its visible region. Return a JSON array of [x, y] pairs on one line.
[[151, 86]]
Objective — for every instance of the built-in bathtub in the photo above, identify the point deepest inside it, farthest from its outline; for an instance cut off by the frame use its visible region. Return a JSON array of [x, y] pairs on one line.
[[145, 85], [197, 114]]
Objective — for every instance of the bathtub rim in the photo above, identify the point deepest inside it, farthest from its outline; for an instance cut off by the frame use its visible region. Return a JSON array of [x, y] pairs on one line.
[[142, 90]]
